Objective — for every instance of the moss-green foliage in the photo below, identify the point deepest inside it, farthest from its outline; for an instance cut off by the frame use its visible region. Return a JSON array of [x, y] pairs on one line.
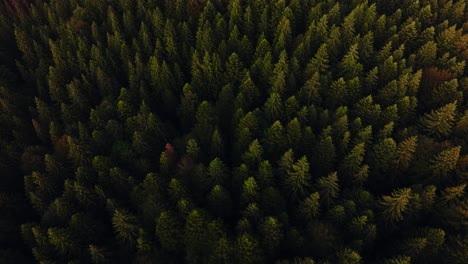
[[233, 131]]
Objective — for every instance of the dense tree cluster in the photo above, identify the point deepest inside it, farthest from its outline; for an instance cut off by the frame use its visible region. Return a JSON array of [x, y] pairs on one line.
[[240, 131]]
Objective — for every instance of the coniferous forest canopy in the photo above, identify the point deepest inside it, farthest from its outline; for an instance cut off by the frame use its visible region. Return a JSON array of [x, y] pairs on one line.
[[234, 131]]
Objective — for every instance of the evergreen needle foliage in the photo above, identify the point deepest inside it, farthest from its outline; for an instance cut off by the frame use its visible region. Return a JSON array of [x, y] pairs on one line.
[[233, 131]]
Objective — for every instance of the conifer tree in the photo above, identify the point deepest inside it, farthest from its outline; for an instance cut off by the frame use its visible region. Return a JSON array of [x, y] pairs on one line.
[[249, 190], [234, 68], [383, 154], [348, 256], [319, 63], [61, 240], [250, 90], [271, 232], [254, 154], [274, 107], [350, 66], [298, 179], [354, 159], [195, 237], [280, 74], [294, 132], [445, 161], [275, 138], [217, 146], [220, 201], [217, 171], [286, 161], [406, 149], [125, 227], [328, 187], [439, 122], [97, 254], [167, 231], [311, 89], [325, 153], [396, 204], [309, 208], [247, 249], [307, 130], [204, 126]]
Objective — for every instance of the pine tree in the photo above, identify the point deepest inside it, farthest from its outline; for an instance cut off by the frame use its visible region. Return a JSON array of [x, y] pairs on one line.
[[309, 208], [217, 171], [386, 131], [319, 63], [311, 89], [362, 229], [367, 110], [274, 107], [249, 190], [192, 149], [249, 121], [283, 35], [249, 20], [371, 79], [176, 190], [328, 187], [428, 197], [383, 154], [275, 139], [271, 233], [265, 173], [220, 201], [445, 162], [247, 249], [352, 161], [406, 150], [195, 237], [439, 122], [235, 14], [217, 146], [250, 90], [254, 154], [167, 231], [348, 256], [291, 107], [427, 54], [234, 69], [286, 161], [294, 133], [325, 153], [62, 240], [280, 74], [204, 124], [350, 66], [451, 193], [447, 92], [125, 228], [97, 254], [222, 252], [396, 204], [298, 180]]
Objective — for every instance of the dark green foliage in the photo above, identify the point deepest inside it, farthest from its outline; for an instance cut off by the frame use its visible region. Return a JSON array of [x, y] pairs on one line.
[[328, 188], [168, 231], [125, 227], [298, 179], [208, 131]]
